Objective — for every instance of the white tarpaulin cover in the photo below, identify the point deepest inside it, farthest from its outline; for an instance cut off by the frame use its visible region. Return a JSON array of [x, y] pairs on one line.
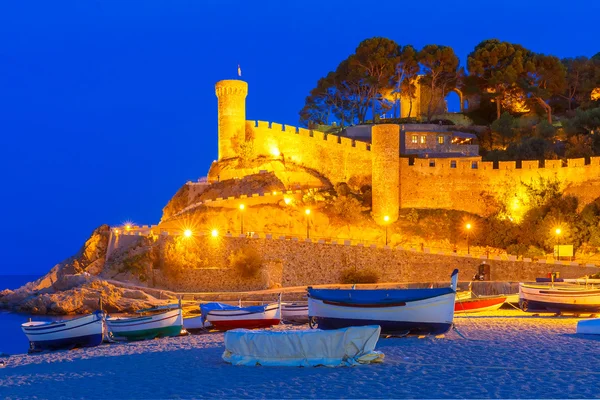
[[306, 348]]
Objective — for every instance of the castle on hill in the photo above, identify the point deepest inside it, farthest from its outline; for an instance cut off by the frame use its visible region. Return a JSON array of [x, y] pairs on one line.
[[445, 174]]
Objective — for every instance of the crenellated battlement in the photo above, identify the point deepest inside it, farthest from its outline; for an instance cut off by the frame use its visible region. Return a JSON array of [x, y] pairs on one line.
[[277, 128], [476, 165], [231, 87]]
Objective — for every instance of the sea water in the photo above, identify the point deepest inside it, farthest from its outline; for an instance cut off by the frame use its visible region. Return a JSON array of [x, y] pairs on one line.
[[12, 338]]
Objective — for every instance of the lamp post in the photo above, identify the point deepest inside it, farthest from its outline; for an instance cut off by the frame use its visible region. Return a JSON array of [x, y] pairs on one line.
[[468, 226], [557, 231], [386, 220], [242, 207], [307, 212]]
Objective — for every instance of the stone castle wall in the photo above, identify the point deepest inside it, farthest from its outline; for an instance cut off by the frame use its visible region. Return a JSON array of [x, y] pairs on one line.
[[289, 263], [337, 158], [433, 183], [459, 184]]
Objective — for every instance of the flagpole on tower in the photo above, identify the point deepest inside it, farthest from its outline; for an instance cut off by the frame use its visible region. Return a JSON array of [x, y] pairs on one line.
[[239, 70]]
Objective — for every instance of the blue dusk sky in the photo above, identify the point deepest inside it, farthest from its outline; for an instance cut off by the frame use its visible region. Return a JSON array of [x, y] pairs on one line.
[[107, 107]]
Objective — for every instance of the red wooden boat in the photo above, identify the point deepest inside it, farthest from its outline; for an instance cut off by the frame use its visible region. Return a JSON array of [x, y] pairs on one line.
[[225, 317], [478, 304]]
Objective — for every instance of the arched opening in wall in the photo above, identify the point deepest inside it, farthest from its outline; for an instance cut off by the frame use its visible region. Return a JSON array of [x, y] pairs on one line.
[[452, 100]]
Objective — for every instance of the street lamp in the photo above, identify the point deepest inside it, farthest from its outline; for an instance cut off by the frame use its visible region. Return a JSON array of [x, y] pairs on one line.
[[307, 212], [242, 207], [214, 233], [468, 226], [557, 231], [187, 233], [386, 220]]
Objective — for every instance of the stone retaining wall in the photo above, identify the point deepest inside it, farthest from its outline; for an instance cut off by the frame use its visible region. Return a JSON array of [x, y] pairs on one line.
[[298, 263]]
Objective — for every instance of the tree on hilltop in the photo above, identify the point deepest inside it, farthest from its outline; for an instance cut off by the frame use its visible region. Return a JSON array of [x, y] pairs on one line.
[[441, 72], [375, 61], [543, 78], [495, 67], [505, 128], [407, 70], [579, 79]]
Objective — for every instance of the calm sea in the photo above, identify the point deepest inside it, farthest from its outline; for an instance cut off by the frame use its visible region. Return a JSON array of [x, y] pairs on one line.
[[12, 339]]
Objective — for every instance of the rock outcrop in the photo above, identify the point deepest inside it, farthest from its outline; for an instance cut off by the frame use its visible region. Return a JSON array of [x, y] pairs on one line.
[[77, 286]]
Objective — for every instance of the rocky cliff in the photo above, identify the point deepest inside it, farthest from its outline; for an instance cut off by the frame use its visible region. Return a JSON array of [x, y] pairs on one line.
[[77, 284]]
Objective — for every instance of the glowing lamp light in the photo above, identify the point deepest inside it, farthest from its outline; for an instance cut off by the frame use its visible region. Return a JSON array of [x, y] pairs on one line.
[[557, 231], [468, 226], [214, 233], [307, 211], [242, 207], [187, 233], [386, 218], [128, 227], [287, 200], [274, 192], [274, 151], [116, 231]]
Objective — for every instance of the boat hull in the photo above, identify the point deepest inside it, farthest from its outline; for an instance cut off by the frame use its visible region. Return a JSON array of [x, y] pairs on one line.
[[536, 298], [479, 304], [87, 331], [294, 312], [428, 316], [165, 324], [225, 320], [195, 324]]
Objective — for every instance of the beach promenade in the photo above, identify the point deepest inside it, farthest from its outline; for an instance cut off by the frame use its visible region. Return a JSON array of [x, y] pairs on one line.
[[505, 354]]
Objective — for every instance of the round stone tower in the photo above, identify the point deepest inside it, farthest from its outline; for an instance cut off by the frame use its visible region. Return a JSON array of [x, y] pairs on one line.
[[385, 149], [232, 116]]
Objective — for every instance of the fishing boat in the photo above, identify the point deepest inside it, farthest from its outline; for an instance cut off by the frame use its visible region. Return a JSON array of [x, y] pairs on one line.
[[478, 304], [559, 298], [296, 313], [225, 317], [85, 331], [395, 310], [151, 323], [194, 322]]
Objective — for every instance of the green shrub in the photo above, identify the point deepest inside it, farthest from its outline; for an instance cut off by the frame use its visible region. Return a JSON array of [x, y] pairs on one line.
[[352, 276], [246, 261]]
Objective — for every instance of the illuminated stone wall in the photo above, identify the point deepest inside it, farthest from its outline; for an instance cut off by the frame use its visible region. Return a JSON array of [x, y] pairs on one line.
[[297, 263], [466, 184], [386, 184], [339, 159], [231, 96], [435, 183]]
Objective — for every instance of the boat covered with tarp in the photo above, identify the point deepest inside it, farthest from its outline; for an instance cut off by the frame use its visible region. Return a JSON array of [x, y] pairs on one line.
[[225, 317], [395, 310], [303, 348]]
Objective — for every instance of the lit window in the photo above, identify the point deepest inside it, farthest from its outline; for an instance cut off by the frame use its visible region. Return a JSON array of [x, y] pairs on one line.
[[453, 164], [441, 139], [415, 139], [422, 139]]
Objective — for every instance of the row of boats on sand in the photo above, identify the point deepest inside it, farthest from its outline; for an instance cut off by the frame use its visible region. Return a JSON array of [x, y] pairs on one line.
[[396, 311]]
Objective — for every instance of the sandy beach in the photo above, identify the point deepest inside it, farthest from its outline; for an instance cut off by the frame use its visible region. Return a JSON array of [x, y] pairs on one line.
[[505, 354]]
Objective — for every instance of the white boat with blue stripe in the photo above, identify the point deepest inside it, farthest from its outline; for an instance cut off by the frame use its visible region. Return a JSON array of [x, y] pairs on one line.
[[86, 331], [428, 311]]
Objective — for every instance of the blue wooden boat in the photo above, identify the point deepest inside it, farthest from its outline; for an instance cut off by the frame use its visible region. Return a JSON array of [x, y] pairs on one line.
[[395, 310]]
